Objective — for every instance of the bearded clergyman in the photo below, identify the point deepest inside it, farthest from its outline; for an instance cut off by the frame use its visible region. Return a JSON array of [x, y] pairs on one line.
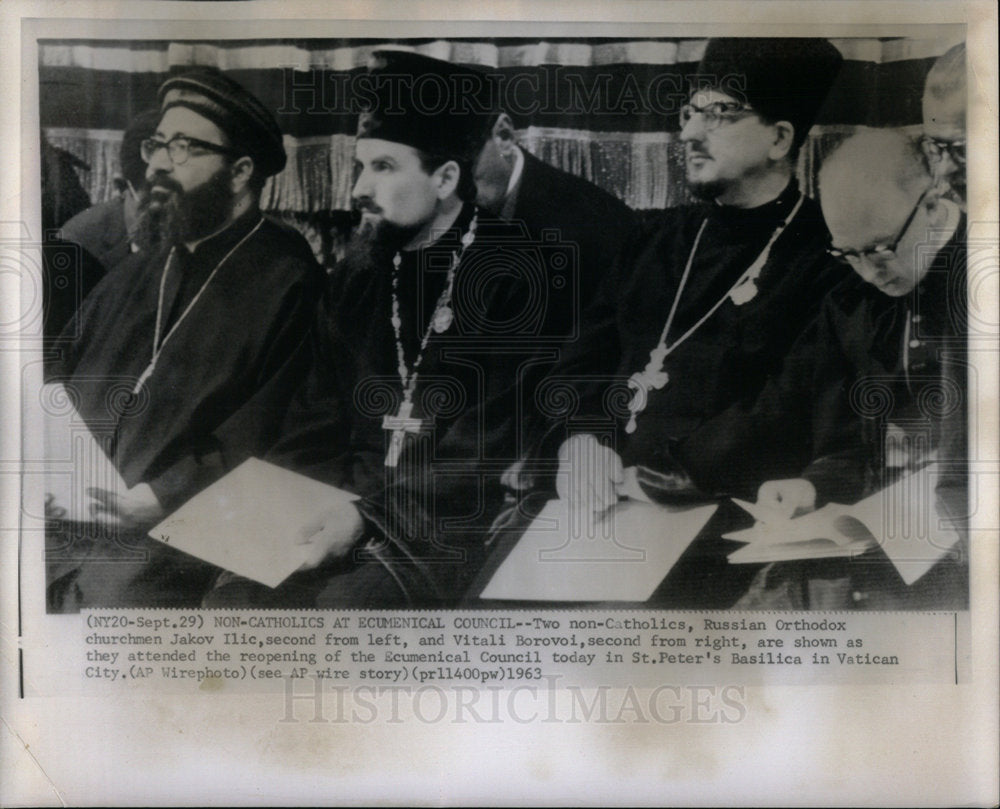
[[427, 337], [182, 353]]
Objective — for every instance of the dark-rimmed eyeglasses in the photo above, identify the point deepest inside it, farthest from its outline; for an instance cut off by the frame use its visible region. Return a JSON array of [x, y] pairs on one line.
[[878, 253], [936, 148], [716, 113], [180, 148]]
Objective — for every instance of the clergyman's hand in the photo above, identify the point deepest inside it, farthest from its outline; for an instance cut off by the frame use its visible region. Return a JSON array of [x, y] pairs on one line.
[[137, 507], [589, 473], [789, 498], [332, 535]]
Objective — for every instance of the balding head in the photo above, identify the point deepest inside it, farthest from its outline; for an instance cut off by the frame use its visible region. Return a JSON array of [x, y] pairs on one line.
[[944, 108], [947, 75], [868, 181], [869, 187]]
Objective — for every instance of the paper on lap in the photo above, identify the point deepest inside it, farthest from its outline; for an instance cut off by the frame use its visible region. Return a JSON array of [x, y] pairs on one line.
[[905, 519], [252, 521], [622, 557], [75, 459]]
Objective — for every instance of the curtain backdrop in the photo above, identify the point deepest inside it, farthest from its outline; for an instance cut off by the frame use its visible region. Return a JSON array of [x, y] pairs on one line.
[[606, 110]]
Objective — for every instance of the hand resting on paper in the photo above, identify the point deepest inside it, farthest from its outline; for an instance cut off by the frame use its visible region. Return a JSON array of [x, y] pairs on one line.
[[789, 498], [137, 507], [589, 474], [332, 535]]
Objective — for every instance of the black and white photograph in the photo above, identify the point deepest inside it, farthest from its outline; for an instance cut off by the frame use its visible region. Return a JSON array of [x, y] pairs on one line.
[[539, 314], [472, 361]]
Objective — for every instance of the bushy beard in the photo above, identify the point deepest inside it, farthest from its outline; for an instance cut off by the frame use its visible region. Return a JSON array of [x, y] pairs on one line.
[[375, 241], [170, 215]]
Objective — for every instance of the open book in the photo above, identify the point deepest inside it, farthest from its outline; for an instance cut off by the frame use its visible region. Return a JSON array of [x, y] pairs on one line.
[[254, 522]]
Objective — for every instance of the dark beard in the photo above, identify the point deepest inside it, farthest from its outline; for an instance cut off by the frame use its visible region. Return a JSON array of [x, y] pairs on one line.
[[169, 215], [707, 191], [373, 245]]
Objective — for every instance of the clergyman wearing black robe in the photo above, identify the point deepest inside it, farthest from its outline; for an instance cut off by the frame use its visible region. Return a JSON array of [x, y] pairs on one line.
[[426, 519], [728, 357], [216, 397], [877, 386]]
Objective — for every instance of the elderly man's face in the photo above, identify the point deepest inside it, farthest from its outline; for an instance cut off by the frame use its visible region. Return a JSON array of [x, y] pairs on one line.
[[944, 122], [392, 185], [721, 157], [885, 245]]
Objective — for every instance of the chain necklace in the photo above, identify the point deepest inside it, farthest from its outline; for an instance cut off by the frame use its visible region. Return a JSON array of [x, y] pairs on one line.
[[441, 320], [653, 376], [159, 344]]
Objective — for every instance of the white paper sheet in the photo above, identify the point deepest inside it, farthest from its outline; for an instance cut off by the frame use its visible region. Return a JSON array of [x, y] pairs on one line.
[[75, 459], [620, 558], [252, 521], [904, 519]]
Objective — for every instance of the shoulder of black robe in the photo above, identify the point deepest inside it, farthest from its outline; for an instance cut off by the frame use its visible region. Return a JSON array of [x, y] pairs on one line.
[[131, 282], [219, 385], [559, 208], [316, 434], [100, 230], [869, 327]]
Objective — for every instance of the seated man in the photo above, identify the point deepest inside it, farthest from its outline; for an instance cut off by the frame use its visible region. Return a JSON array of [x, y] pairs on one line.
[[944, 105], [180, 356], [97, 239], [107, 231], [426, 332], [879, 386], [697, 313]]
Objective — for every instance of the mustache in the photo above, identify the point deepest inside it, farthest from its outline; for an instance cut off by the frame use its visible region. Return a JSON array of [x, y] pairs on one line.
[[695, 150], [366, 205], [164, 183]]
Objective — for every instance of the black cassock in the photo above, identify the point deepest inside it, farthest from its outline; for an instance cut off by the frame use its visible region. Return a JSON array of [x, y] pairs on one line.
[[725, 361], [217, 395], [426, 518], [877, 386], [727, 358]]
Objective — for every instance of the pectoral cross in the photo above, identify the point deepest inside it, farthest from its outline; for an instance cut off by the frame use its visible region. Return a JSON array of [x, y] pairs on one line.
[[652, 377], [400, 424]]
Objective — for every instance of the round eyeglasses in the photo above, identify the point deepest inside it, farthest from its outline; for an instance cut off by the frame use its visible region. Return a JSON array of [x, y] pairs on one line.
[[936, 148], [180, 148], [879, 253]]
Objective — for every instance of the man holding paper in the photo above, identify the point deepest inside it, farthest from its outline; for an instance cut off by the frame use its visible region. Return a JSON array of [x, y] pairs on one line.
[[180, 357], [879, 387], [424, 332]]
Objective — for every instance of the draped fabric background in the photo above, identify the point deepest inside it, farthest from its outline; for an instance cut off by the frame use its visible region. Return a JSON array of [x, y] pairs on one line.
[[601, 108]]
